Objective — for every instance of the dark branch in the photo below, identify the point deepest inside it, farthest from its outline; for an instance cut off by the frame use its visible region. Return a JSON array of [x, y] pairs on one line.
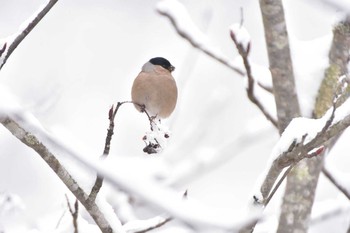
[[166, 220], [110, 131], [74, 213], [2, 50]]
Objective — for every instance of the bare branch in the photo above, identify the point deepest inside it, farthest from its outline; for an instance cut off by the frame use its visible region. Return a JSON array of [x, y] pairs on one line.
[[110, 131], [244, 52], [267, 200], [329, 175], [166, 220], [20, 37]]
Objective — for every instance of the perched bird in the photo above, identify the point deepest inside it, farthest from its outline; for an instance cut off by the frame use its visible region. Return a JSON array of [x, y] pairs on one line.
[[154, 88]]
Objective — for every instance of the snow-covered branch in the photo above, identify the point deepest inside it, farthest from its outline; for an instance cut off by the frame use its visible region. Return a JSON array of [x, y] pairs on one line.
[[33, 142], [186, 28], [303, 138], [15, 40]]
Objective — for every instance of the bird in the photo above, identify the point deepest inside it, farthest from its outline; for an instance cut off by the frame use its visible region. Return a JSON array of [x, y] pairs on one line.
[[154, 89]]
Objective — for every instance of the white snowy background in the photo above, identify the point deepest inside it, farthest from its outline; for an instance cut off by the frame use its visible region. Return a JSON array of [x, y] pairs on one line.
[[83, 57]]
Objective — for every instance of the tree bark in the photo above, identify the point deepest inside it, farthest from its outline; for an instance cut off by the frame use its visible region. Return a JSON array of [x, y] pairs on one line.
[[280, 61], [302, 182]]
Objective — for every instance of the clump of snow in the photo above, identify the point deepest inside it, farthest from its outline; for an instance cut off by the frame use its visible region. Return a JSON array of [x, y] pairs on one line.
[[241, 35], [157, 138], [296, 130]]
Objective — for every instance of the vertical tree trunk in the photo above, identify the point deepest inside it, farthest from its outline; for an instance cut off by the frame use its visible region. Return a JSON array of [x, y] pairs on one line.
[[280, 61]]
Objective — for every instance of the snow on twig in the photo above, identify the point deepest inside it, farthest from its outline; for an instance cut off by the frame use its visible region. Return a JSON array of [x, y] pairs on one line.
[[16, 39], [241, 38]]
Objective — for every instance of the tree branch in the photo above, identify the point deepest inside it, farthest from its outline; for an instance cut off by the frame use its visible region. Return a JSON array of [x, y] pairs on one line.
[[156, 222], [20, 37], [110, 131], [74, 213], [300, 151]]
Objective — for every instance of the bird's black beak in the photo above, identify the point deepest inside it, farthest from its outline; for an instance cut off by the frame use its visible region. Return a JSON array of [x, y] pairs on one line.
[[171, 68]]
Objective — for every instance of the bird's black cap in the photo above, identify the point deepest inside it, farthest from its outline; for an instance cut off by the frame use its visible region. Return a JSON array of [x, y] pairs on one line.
[[163, 63]]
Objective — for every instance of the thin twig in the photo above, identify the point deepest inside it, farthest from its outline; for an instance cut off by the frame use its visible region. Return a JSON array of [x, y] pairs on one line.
[[20, 37], [110, 131], [244, 52], [74, 213], [329, 175], [267, 200], [166, 220], [278, 184]]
